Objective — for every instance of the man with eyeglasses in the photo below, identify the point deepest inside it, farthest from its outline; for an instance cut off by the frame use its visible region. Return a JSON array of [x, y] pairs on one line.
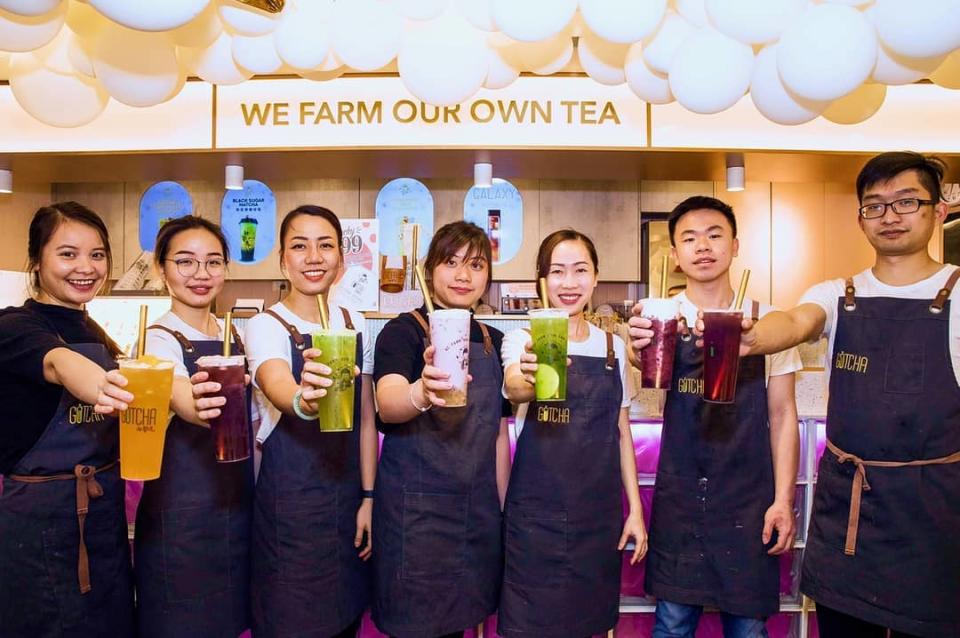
[[882, 551]]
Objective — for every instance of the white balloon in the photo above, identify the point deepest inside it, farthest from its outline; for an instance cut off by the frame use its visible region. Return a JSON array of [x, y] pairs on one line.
[[828, 52], [137, 68], [421, 9], [246, 20], [693, 12], [772, 99], [323, 76], [711, 72], [478, 13], [4, 66], [500, 74], [918, 28], [29, 8], [303, 36], [79, 54], [602, 60], [857, 106], [256, 54], [366, 33], [623, 21], [850, 3], [947, 74], [150, 15], [201, 31], [648, 85], [84, 20], [216, 65], [23, 33], [753, 21], [532, 20], [444, 61], [57, 100], [542, 58], [55, 55], [660, 48], [893, 69]]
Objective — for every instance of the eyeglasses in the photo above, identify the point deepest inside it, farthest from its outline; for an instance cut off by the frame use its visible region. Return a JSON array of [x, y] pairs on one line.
[[900, 207], [188, 266]]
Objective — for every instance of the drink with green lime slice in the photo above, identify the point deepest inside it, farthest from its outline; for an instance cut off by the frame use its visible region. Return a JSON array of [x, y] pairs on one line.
[[338, 351], [548, 328]]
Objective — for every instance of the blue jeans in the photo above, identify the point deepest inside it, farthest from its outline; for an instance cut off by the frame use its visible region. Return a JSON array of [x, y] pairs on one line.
[[676, 620]]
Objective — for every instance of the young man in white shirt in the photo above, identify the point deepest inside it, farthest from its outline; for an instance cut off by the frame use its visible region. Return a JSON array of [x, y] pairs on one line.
[[882, 552], [727, 473]]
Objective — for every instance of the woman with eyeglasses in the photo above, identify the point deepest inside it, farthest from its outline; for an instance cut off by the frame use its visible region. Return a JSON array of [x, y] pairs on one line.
[[192, 539]]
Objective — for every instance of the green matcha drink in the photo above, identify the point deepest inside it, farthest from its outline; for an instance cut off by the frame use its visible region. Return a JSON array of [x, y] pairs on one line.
[[338, 351], [548, 327]]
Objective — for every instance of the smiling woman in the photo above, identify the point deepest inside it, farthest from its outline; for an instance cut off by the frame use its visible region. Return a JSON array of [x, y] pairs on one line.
[[60, 403]]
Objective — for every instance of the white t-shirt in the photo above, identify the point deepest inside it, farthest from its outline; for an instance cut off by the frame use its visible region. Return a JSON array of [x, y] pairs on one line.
[[164, 345], [266, 339], [827, 294], [595, 345], [775, 364]]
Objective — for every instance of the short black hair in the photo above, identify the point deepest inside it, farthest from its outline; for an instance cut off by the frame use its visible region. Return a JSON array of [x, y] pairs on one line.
[[884, 167], [700, 202]]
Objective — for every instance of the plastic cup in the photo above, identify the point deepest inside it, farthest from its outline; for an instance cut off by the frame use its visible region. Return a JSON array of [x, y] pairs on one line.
[[230, 430], [721, 354], [450, 336], [338, 351], [248, 238], [143, 425], [548, 329], [656, 360]]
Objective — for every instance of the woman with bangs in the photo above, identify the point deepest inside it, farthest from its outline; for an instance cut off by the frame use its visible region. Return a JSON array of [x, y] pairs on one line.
[[437, 549]]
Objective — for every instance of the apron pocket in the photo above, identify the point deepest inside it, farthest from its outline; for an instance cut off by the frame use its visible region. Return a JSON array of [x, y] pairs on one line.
[[196, 560], [434, 535], [307, 546], [904, 371], [537, 552]]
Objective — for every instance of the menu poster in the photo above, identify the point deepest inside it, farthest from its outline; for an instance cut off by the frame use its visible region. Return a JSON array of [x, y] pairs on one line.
[[249, 218], [400, 204], [356, 288], [159, 204], [498, 210]]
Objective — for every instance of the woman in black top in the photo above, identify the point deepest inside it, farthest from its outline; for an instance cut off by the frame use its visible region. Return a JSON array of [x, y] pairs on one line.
[[437, 553], [64, 556]]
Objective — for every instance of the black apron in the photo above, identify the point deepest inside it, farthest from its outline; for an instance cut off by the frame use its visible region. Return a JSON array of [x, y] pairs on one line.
[[308, 578], [437, 551], [714, 485], [894, 558], [64, 555], [564, 510], [192, 541]]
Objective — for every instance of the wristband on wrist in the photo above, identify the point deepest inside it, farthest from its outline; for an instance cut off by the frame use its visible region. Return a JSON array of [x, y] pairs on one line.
[[366, 494], [298, 410], [414, 403]]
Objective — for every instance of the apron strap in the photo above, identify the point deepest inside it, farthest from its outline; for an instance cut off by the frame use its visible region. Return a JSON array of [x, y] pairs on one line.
[[236, 335], [423, 324], [611, 355], [87, 488], [347, 322], [294, 333], [849, 293], [860, 485], [938, 302], [755, 310], [487, 341], [185, 343]]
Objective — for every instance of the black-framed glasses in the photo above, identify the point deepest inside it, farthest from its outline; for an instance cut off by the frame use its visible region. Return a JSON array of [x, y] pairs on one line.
[[189, 266], [904, 206]]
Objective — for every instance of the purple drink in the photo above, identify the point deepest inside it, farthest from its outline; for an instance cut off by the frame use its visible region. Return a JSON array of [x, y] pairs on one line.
[[656, 360], [231, 430], [721, 354]]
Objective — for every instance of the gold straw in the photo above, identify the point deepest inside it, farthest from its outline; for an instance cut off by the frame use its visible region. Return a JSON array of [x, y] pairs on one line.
[[142, 332], [227, 333], [414, 253], [543, 292], [423, 287], [324, 319], [663, 277], [738, 304]]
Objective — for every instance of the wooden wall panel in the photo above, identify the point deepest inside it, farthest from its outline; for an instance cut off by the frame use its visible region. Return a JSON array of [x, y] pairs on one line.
[[846, 249], [607, 211], [752, 209], [660, 196], [16, 211], [797, 246], [107, 200]]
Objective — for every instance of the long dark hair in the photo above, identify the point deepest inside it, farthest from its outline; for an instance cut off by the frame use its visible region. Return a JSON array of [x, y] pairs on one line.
[[188, 222], [45, 223]]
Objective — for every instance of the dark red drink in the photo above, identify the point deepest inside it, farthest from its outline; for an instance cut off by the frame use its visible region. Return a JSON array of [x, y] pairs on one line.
[[721, 354], [656, 360], [231, 430]]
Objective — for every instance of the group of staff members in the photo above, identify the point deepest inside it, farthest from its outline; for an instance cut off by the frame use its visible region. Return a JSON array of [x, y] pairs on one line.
[[443, 530]]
